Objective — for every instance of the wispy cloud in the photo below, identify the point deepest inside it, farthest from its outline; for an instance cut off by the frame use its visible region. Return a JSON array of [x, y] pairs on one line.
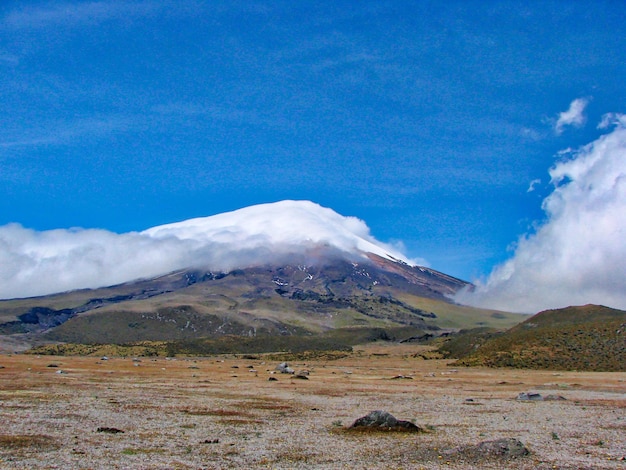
[[574, 116], [72, 13], [37, 263], [65, 132], [578, 255], [532, 185]]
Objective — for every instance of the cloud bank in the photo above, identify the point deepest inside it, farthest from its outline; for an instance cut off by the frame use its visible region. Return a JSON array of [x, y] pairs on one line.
[[37, 263], [578, 255], [574, 116]]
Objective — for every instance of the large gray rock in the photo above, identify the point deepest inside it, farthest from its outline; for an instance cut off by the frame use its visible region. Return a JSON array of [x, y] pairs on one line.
[[381, 420], [284, 368], [529, 396]]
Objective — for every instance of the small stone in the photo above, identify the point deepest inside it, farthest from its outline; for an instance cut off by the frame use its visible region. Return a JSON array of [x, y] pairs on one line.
[[505, 448], [525, 396], [554, 398], [509, 448]]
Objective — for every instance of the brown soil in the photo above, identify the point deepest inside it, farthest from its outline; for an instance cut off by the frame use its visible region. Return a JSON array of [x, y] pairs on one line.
[[204, 414]]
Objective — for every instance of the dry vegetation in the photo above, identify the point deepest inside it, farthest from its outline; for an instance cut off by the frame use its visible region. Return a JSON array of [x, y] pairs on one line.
[[223, 412], [589, 337]]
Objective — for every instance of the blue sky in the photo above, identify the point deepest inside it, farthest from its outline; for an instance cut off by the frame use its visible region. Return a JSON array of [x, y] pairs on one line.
[[427, 120]]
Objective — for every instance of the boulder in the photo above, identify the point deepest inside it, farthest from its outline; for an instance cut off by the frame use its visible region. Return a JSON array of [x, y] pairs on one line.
[[554, 398], [284, 368], [504, 448], [526, 396], [383, 421]]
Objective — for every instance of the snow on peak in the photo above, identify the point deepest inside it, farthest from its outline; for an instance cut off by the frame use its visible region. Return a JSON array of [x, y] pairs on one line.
[[38, 263], [285, 226]]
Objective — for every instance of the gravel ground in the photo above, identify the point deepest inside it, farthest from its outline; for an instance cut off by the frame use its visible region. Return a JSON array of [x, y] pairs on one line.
[[224, 412]]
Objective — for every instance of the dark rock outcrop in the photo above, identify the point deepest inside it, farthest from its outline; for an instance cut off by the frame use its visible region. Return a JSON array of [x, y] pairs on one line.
[[383, 421]]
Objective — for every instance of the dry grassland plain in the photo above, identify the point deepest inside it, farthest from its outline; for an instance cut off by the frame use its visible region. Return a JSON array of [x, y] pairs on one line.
[[224, 412]]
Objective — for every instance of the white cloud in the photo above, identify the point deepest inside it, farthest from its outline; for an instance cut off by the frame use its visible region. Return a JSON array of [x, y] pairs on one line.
[[36, 263], [73, 13], [532, 185], [574, 116], [578, 255]]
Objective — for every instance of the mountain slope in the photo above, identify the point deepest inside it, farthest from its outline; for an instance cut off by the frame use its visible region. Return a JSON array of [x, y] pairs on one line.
[[291, 268], [589, 337], [42, 263], [293, 299]]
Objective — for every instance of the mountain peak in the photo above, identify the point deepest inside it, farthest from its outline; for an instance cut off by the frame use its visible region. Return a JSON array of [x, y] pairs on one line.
[[39, 263], [288, 226]]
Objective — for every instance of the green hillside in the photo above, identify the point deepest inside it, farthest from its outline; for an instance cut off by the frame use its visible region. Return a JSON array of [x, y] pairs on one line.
[[589, 337]]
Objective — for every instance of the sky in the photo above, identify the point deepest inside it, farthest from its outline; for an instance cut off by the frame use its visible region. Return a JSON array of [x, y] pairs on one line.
[[470, 134]]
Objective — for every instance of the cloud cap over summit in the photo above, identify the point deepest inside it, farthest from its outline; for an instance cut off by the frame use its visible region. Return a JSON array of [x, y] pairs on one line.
[[38, 263]]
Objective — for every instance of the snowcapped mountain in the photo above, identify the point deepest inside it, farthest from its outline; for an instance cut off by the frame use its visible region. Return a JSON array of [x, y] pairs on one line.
[[293, 227], [39, 263], [289, 268]]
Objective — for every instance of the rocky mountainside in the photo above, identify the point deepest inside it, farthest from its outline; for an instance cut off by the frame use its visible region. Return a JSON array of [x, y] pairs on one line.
[[295, 299]]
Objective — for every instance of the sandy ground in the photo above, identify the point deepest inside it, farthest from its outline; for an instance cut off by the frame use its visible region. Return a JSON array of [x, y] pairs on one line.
[[223, 412]]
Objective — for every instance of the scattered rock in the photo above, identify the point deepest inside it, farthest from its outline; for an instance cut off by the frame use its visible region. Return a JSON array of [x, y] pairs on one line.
[[109, 430], [300, 376], [554, 398], [284, 368], [505, 448], [508, 448], [402, 377], [211, 441], [52, 365], [525, 396], [383, 421], [272, 379]]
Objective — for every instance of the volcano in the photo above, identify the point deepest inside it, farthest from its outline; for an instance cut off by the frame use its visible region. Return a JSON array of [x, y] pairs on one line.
[[291, 268]]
